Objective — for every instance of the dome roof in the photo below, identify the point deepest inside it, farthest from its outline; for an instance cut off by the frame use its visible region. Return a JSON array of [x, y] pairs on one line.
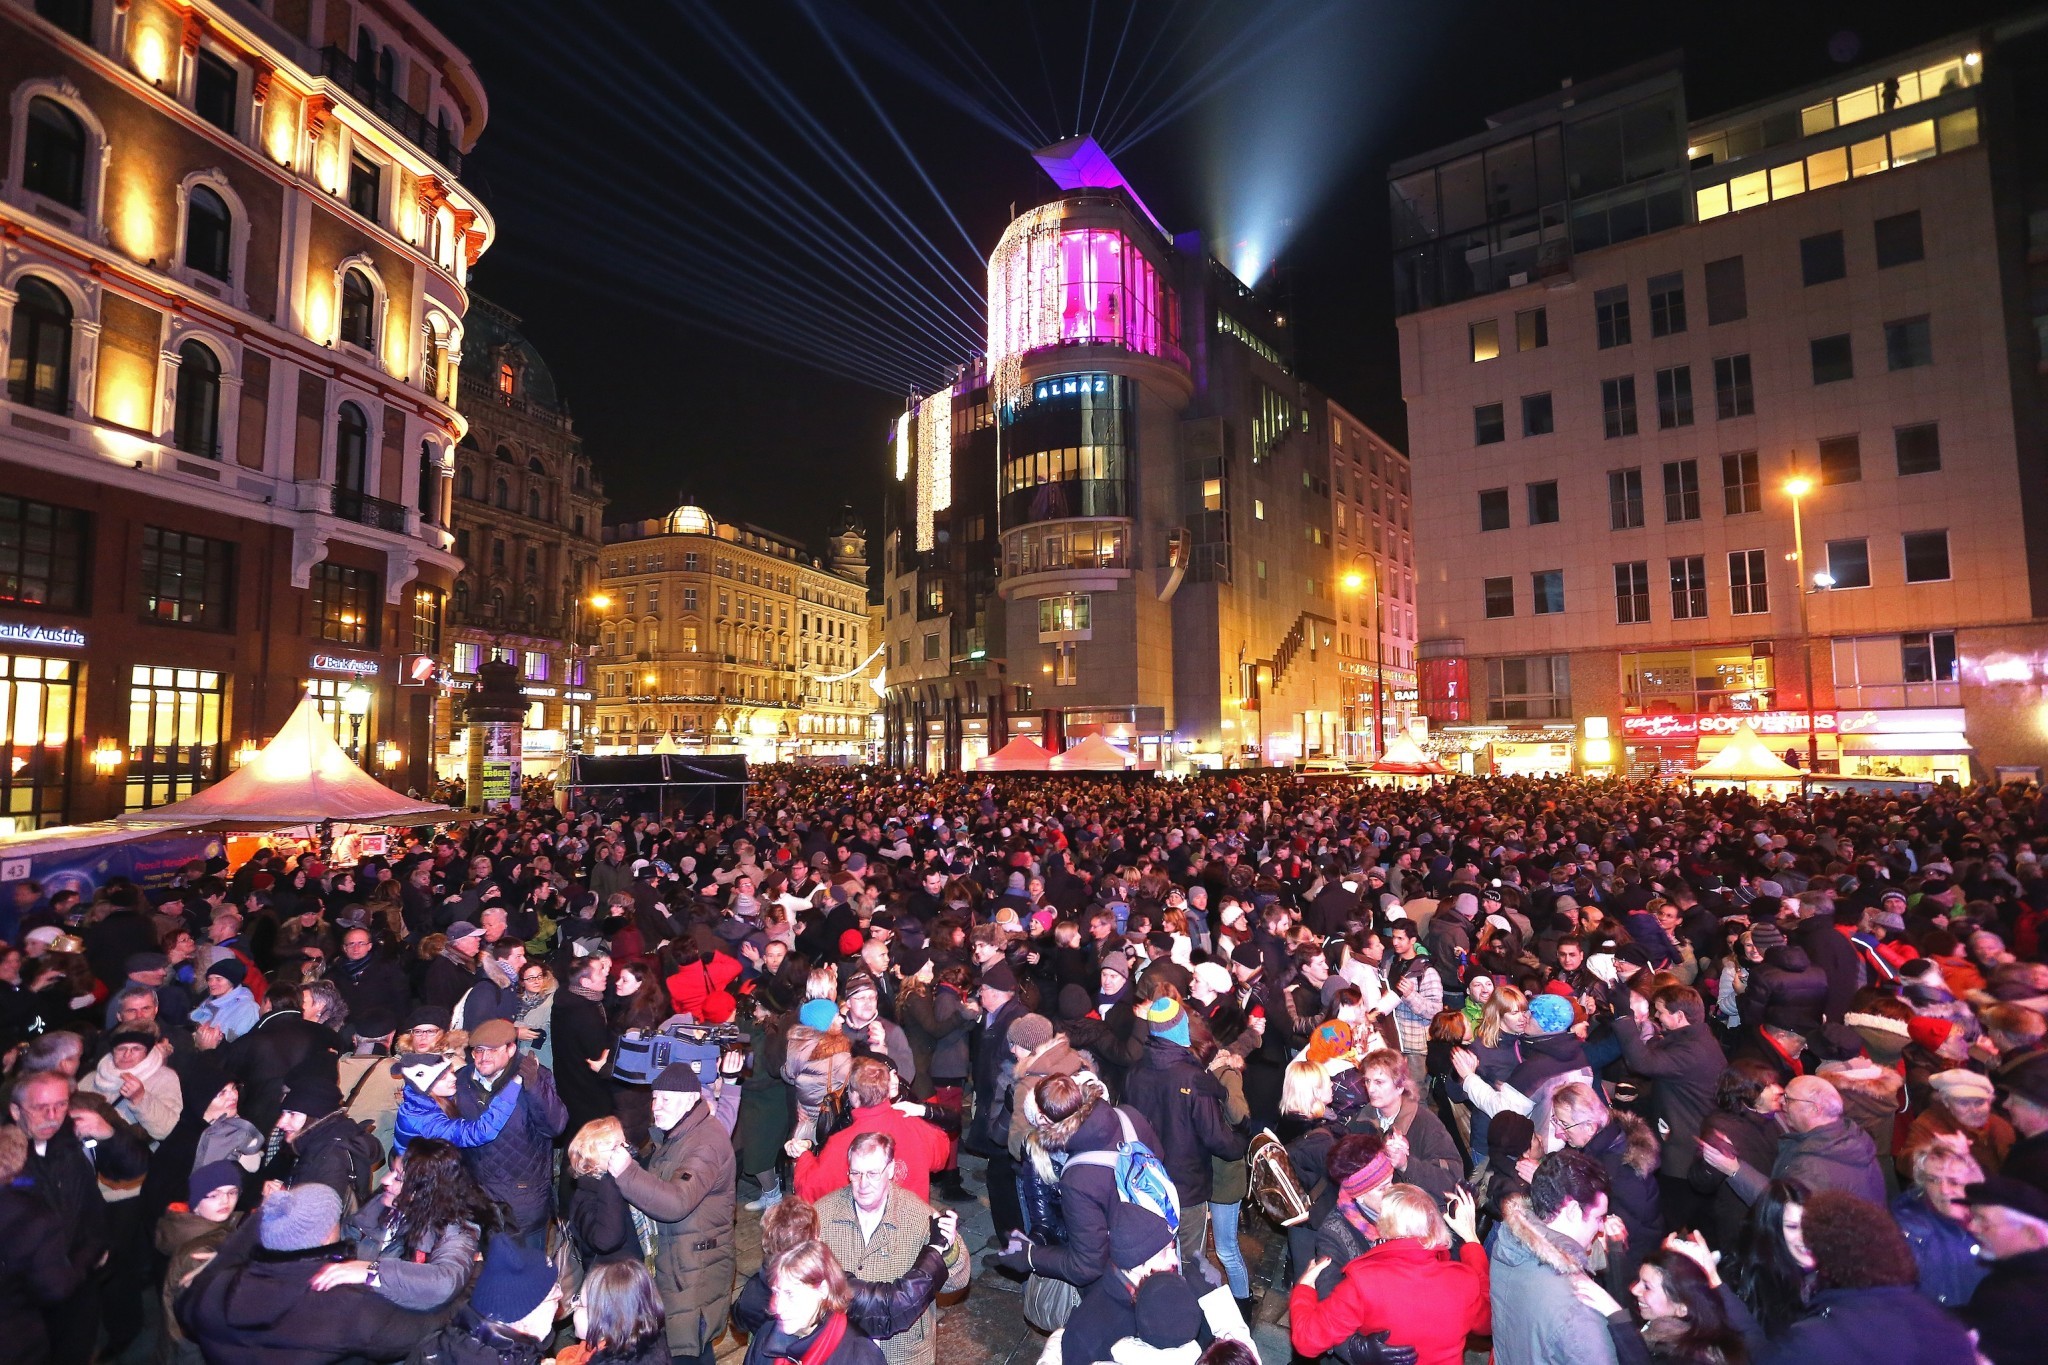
[[493, 332], [689, 520]]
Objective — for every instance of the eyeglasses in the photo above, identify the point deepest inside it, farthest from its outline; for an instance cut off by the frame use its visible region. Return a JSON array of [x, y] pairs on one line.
[[1560, 1126]]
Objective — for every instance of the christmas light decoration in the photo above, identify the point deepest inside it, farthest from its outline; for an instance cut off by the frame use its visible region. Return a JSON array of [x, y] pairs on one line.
[[903, 445], [934, 461], [1023, 299]]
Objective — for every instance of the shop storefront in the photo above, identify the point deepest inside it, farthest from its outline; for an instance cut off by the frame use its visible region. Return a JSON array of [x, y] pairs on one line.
[[175, 718], [39, 718], [1503, 751], [1914, 743]]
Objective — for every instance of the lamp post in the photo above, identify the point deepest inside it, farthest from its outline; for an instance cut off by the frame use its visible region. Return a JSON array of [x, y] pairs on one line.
[[1354, 579], [1796, 488], [355, 704]]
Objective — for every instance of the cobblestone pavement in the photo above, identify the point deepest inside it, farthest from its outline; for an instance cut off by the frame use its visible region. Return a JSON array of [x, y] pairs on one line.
[[986, 1325]]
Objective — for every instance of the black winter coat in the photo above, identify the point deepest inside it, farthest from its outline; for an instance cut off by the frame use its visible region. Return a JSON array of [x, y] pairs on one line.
[[1627, 1150], [67, 1181], [469, 1340], [876, 1310], [36, 1272], [1786, 991], [1837, 960], [1895, 1324], [260, 1059], [335, 1151], [2006, 1309], [1088, 1198], [257, 1307], [378, 985], [1184, 1105], [516, 1167], [1684, 1067], [581, 1035], [601, 1221]]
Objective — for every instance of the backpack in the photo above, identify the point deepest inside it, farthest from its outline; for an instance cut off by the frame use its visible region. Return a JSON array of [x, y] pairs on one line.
[[1140, 1176]]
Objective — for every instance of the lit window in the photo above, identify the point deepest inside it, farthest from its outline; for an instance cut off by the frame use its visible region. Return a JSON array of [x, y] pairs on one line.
[[508, 380]]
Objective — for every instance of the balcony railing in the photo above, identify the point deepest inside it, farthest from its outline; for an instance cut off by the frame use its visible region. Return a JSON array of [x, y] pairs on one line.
[[409, 123], [369, 511]]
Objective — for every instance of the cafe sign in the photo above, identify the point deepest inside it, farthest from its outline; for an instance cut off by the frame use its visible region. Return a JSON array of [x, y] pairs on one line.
[[1720, 723]]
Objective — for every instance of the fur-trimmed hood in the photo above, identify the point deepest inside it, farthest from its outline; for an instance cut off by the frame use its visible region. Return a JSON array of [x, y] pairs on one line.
[[1536, 1242], [1643, 1151]]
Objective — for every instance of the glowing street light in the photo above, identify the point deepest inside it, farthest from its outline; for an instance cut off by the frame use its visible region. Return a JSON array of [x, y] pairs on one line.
[[1354, 580], [1796, 488]]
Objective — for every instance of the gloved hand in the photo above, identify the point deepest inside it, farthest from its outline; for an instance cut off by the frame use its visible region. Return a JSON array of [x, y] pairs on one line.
[[1373, 1350], [1016, 1259]]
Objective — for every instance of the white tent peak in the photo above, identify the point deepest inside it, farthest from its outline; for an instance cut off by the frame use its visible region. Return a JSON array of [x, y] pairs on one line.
[[1746, 758], [302, 777], [1405, 756], [1093, 754], [1022, 754]]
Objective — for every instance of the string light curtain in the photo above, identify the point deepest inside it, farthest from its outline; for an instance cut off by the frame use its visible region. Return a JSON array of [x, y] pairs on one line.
[[903, 445], [934, 462], [1024, 298]]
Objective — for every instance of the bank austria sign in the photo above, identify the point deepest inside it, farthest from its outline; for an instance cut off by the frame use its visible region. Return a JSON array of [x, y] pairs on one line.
[[25, 633], [339, 663]]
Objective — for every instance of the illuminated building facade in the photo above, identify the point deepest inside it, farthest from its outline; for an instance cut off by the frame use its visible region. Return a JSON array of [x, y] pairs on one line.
[[234, 245], [1742, 398], [528, 513], [724, 638], [1118, 522], [1372, 521]]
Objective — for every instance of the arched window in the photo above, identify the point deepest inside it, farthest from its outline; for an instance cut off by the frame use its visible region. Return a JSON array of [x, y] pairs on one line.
[[626, 638], [581, 478], [532, 609], [429, 495], [209, 231], [504, 498], [358, 310], [461, 599], [508, 379], [196, 426], [505, 454], [533, 503], [465, 482], [387, 69], [366, 54], [39, 360], [55, 154], [351, 449], [534, 466], [497, 604]]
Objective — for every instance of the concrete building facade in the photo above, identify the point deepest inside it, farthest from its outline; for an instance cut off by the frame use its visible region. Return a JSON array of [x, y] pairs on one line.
[[1690, 398]]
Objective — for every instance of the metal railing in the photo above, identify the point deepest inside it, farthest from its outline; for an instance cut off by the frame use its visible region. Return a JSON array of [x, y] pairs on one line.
[[360, 81], [369, 511]]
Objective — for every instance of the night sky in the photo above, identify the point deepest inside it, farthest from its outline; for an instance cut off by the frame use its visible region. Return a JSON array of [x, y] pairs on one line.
[[679, 187]]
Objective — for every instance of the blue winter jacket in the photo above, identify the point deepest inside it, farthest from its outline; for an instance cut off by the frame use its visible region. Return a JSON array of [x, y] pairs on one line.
[[420, 1116]]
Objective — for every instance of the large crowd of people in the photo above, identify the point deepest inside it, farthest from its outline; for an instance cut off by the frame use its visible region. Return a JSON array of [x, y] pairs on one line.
[[1575, 1072]]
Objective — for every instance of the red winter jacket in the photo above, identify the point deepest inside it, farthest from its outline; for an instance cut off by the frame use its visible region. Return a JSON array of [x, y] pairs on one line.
[[920, 1149], [1419, 1297], [701, 990]]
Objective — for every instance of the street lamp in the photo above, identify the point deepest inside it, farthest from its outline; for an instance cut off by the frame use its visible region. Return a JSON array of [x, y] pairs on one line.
[[355, 704], [1355, 579], [1796, 488]]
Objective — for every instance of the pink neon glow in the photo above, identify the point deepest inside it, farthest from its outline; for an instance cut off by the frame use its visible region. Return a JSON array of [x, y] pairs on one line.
[[1108, 291]]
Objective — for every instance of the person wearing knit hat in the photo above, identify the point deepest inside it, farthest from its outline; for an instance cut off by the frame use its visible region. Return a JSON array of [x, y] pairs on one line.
[[1551, 1014], [1766, 935], [1030, 1032], [430, 1078], [999, 977], [1210, 982], [511, 1312], [230, 1007], [300, 1218], [1332, 1039], [821, 1015], [326, 1145], [1169, 1020], [215, 1178], [1168, 1317], [1137, 1237]]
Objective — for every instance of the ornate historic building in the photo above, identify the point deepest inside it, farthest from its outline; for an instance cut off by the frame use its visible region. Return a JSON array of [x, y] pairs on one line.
[[234, 241], [728, 638], [528, 513]]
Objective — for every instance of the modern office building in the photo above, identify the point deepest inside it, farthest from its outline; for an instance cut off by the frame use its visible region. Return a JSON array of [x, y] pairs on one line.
[[1689, 398], [726, 638], [1117, 521], [234, 245], [528, 514]]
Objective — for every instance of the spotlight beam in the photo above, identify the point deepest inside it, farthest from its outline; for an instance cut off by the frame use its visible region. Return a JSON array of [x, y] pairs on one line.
[[1109, 77], [1013, 123], [1166, 67], [975, 59], [1225, 67], [1138, 69], [889, 127], [1081, 86]]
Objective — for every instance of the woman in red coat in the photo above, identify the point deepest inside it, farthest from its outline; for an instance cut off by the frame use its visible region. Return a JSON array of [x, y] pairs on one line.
[[1408, 1286]]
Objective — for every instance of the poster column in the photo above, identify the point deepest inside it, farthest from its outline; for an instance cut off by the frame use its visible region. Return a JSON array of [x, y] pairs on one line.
[[494, 713]]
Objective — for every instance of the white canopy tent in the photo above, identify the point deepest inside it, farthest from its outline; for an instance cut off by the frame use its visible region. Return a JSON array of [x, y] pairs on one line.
[[1746, 758], [1093, 754], [302, 777], [1022, 754]]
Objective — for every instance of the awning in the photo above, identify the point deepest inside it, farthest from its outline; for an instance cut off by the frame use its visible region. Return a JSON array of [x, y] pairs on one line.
[[1908, 744]]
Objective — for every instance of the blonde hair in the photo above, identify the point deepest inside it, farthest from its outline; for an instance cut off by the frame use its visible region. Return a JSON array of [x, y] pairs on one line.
[[1407, 1211], [1305, 1090], [822, 984], [812, 1263], [1505, 1000], [587, 1149], [1940, 1149]]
